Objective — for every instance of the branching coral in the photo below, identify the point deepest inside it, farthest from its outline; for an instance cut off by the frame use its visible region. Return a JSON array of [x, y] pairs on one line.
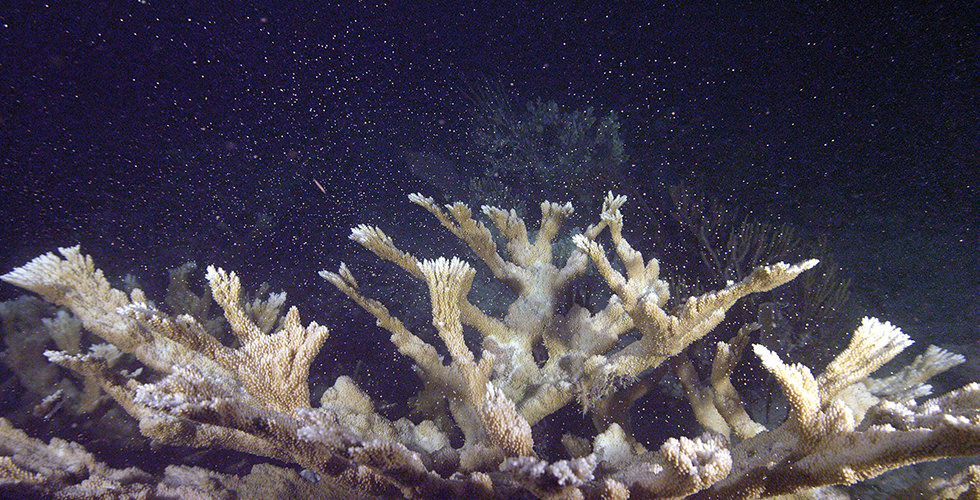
[[538, 357]]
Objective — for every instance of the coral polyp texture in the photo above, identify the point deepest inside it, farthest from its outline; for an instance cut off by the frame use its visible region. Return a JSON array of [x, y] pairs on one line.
[[489, 383]]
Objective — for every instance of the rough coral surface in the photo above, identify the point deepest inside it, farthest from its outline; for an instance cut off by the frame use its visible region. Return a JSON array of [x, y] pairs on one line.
[[499, 381]]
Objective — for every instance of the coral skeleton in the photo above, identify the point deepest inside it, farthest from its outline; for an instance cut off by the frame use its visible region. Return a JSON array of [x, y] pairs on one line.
[[487, 384]]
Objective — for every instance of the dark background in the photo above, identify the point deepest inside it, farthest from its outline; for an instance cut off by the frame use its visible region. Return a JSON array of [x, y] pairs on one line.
[[126, 124]]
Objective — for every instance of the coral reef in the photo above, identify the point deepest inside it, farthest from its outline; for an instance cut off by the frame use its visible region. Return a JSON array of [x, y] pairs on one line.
[[489, 385]]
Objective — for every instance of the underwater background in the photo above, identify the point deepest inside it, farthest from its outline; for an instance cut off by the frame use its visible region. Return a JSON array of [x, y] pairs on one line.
[[254, 136]]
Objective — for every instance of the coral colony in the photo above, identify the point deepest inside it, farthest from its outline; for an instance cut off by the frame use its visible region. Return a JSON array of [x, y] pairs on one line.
[[480, 399]]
